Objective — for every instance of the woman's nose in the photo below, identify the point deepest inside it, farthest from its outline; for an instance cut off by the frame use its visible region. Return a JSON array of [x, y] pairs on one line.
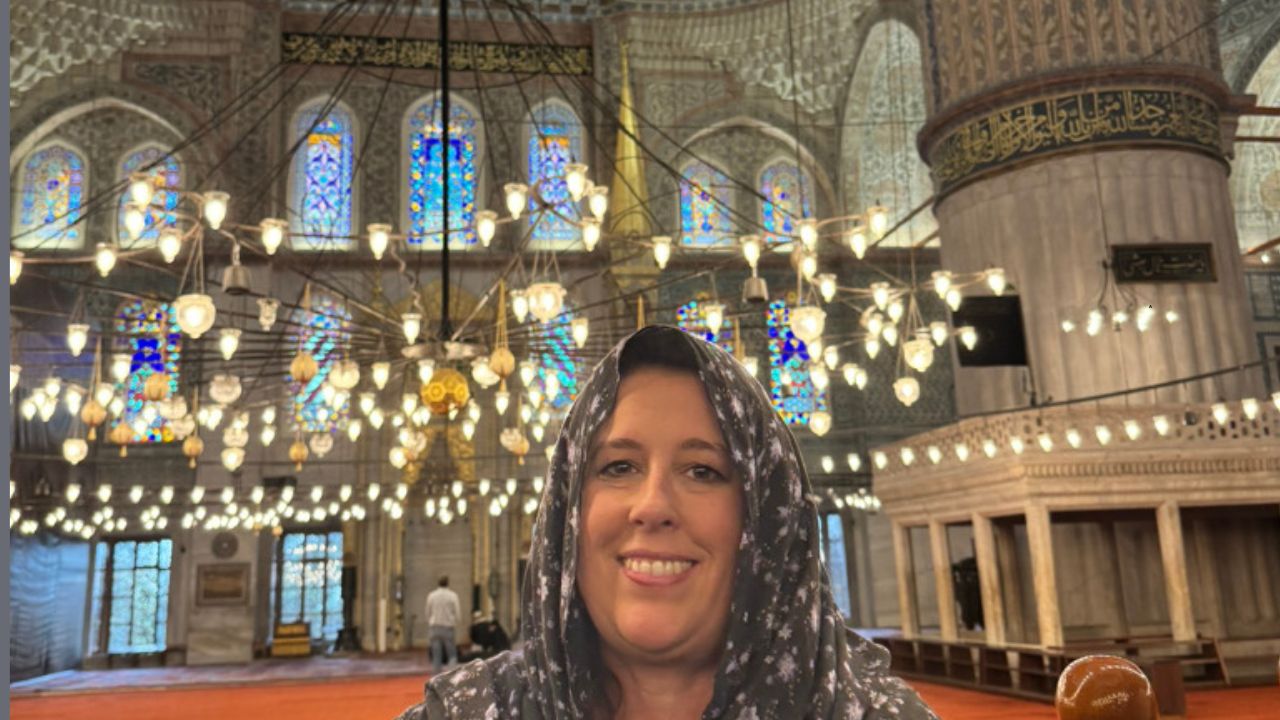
[[654, 503]]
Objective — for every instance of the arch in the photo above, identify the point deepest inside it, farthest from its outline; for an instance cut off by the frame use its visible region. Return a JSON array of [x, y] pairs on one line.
[[552, 138], [51, 187], [322, 178], [166, 177], [421, 169], [885, 108], [706, 205], [69, 109], [788, 197], [147, 330], [1255, 171]]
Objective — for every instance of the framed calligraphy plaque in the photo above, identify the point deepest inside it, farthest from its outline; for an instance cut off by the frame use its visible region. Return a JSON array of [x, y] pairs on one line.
[[222, 584], [1163, 263], [417, 54]]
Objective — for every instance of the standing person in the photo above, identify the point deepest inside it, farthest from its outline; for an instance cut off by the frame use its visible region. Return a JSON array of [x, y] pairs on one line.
[[675, 571], [442, 624]]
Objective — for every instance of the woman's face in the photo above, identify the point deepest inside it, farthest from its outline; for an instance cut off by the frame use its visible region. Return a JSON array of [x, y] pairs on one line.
[[661, 522]]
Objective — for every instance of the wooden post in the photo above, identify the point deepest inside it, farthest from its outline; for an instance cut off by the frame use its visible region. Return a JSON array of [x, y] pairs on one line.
[[942, 580], [984, 546], [1173, 554], [1040, 539], [909, 618]]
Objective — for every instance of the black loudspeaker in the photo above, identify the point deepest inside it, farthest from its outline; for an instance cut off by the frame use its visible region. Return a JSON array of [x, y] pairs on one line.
[[998, 321]]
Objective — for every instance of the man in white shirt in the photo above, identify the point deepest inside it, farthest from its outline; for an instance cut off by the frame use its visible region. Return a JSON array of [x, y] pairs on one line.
[[442, 623]]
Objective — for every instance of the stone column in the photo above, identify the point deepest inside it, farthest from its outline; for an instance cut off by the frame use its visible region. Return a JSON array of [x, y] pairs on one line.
[[1060, 129], [984, 545], [942, 580], [1040, 538], [1182, 619], [907, 614]]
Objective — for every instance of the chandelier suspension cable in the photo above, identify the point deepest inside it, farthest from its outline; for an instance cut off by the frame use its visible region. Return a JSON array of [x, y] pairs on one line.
[[446, 327]]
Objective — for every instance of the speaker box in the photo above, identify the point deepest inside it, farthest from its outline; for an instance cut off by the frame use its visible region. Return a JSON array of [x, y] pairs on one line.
[[1001, 339]]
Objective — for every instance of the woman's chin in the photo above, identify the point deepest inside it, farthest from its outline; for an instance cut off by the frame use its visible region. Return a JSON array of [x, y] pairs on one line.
[[652, 631]]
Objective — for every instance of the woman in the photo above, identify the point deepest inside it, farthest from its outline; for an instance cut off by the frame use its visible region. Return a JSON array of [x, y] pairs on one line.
[[675, 570]]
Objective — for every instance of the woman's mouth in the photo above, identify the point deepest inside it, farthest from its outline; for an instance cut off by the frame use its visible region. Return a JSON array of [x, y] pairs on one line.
[[654, 572]]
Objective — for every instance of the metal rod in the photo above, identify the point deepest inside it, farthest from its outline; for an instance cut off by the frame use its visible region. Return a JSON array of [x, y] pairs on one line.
[[446, 327]]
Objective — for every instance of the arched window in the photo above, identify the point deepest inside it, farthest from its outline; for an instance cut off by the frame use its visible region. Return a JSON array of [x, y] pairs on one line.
[[788, 197], [705, 197], [321, 189], [879, 160], [793, 393], [52, 185], [555, 354], [692, 318], [148, 331], [1255, 171], [166, 177], [327, 322], [554, 139], [423, 167]]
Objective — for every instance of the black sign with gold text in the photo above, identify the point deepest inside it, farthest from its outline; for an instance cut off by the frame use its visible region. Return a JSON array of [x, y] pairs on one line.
[[412, 54]]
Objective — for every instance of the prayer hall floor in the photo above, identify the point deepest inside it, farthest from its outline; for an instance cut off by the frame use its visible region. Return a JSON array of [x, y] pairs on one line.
[[379, 688]]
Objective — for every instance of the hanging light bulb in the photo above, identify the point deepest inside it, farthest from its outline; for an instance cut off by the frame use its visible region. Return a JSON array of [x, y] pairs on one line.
[[590, 233], [996, 280], [818, 375], [1249, 406], [878, 220], [77, 338], [827, 286], [808, 262], [1143, 318], [714, 316], [528, 370], [872, 346], [74, 397], [579, 328], [598, 201], [486, 226], [526, 412], [890, 335], [661, 250], [517, 195], [135, 220], [1161, 424], [880, 294], [408, 403], [354, 428], [15, 265], [907, 390], [104, 258], [857, 238], [1103, 433], [968, 336], [752, 364], [141, 189], [938, 332], [426, 370], [918, 352], [411, 322], [1068, 326], [941, 283], [195, 312], [831, 357], [1171, 316], [850, 372], [104, 493], [1094, 323], [121, 366], [1275, 399], [962, 452], [1220, 413], [807, 323], [170, 244], [228, 342], [751, 249], [575, 179], [74, 450], [895, 311], [272, 233], [954, 298], [808, 230], [215, 207], [267, 435], [820, 422], [1132, 430], [551, 386], [501, 400], [381, 371]]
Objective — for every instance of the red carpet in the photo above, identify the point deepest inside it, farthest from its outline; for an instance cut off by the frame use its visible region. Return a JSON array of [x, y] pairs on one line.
[[384, 699]]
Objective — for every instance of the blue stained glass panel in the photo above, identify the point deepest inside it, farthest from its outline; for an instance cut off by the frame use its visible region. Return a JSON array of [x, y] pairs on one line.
[[166, 178], [704, 207], [556, 356], [692, 318], [323, 180], [795, 399], [556, 142], [150, 333], [51, 190], [327, 321], [426, 160], [788, 198]]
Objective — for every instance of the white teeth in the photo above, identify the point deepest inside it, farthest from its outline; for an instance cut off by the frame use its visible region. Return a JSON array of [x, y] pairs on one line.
[[657, 568]]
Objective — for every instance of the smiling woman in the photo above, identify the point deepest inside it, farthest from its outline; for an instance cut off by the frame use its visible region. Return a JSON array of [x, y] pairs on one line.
[[675, 569]]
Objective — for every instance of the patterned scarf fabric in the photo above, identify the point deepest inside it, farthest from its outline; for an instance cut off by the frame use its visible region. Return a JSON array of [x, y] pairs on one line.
[[788, 653]]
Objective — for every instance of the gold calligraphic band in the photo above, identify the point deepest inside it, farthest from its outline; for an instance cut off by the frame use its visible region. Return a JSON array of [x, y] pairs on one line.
[[1073, 120], [414, 54]]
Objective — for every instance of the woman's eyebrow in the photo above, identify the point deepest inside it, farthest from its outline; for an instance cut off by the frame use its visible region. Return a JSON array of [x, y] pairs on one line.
[[615, 444], [700, 444]]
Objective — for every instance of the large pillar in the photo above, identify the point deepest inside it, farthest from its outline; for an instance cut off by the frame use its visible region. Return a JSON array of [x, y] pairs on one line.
[[1044, 576], [943, 580], [1174, 556], [984, 547], [908, 617], [1058, 130]]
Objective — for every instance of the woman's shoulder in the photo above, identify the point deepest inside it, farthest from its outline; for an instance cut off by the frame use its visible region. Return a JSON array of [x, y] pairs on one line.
[[479, 690]]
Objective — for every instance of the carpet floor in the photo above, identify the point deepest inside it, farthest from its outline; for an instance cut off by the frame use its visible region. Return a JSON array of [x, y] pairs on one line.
[[384, 698]]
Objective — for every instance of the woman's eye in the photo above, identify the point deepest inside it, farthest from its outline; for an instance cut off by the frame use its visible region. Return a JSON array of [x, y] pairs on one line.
[[617, 468], [705, 473]]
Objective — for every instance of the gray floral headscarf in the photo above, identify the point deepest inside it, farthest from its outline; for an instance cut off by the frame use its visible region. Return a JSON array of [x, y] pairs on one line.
[[788, 653]]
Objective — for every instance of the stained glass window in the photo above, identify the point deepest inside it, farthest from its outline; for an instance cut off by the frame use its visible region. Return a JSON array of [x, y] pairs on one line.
[[327, 323], [52, 185], [148, 331], [309, 581], [692, 318], [793, 393], [323, 180], [426, 208], [705, 195], [788, 198], [837, 566], [166, 177], [556, 142], [556, 355], [132, 595]]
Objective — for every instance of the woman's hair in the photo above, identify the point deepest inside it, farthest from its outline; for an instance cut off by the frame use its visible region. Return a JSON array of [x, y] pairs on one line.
[[657, 346]]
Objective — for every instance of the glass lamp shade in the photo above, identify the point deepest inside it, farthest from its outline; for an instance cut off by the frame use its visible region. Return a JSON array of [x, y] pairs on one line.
[[714, 314], [752, 364], [827, 286], [996, 280], [751, 249], [501, 401], [228, 342], [808, 322], [235, 436], [120, 366], [546, 300], [272, 230], [215, 207], [196, 313], [580, 328], [907, 390], [520, 304], [426, 370], [135, 220], [575, 179], [75, 450], [969, 336], [938, 332], [528, 370], [819, 376], [880, 294], [268, 308], [232, 458], [598, 201], [170, 244], [104, 258], [590, 233], [486, 226], [919, 352], [15, 265], [661, 250], [820, 422], [857, 238], [483, 374], [379, 239], [141, 189], [345, 374], [412, 325], [808, 229], [381, 372], [321, 444], [941, 283], [77, 338], [517, 195], [878, 220], [224, 389]]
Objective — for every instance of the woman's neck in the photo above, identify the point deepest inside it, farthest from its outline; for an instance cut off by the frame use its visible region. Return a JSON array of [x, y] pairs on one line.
[[666, 691]]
